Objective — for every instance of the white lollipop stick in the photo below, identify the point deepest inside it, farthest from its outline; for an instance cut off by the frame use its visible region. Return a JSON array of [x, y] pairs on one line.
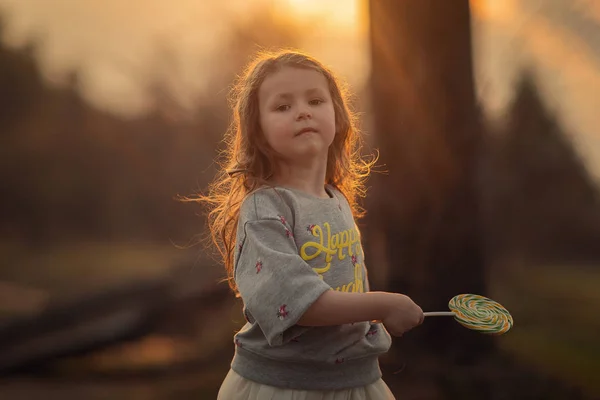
[[439, 314]]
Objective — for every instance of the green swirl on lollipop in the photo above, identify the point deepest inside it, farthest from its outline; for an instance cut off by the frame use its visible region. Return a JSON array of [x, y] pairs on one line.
[[481, 314]]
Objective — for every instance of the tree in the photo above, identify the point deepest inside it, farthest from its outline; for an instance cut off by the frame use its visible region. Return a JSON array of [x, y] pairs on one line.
[[542, 202], [427, 127]]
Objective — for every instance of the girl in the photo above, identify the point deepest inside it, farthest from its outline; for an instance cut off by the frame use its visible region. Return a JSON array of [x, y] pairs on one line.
[[282, 214]]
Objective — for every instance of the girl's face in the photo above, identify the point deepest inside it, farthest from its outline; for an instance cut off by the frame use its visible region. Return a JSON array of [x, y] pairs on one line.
[[297, 115]]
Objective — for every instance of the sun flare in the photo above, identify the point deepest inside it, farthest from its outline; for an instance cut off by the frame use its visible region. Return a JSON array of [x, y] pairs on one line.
[[341, 13]]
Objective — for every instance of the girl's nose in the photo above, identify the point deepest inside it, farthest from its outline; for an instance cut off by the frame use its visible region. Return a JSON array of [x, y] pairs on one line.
[[304, 114]]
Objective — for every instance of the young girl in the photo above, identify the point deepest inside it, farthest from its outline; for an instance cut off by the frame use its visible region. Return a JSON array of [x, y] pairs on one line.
[[282, 214]]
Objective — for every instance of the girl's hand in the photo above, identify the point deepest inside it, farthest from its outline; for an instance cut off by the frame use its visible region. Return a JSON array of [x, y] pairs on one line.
[[401, 314]]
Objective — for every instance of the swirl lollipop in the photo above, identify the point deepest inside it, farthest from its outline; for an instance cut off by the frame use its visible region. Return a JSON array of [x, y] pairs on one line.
[[478, 313]]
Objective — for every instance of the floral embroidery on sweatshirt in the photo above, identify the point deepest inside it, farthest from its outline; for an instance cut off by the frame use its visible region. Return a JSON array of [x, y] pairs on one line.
[[372, 332], [282, 312], [288, 233], [258, 266]]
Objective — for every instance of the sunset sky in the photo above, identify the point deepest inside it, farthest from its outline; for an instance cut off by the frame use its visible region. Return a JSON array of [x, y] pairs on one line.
[[111, 44]]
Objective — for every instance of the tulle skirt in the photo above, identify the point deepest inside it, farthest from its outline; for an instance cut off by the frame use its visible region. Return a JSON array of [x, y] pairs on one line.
[[235, 387]]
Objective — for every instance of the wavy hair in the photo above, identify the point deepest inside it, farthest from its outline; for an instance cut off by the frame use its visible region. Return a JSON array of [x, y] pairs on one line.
[[248, 161]]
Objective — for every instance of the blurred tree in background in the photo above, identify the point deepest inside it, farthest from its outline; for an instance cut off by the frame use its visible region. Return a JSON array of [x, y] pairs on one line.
[[541, 201], [429, 131]]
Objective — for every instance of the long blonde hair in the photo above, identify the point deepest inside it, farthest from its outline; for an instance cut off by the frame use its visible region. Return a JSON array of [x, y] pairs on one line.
[[248, 161]]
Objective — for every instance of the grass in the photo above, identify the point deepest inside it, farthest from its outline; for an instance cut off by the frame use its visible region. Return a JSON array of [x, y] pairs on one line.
[[71, 270], [574, 362], [556, 328], [79, 267]]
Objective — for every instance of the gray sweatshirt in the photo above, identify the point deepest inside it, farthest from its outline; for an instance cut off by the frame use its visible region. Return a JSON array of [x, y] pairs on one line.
[[291, 248]]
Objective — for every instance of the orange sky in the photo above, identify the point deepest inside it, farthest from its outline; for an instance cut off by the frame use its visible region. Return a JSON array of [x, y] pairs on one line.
[[110, 42]]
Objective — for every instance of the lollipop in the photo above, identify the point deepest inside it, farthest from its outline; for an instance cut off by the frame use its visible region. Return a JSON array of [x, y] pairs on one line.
[[478, 313]]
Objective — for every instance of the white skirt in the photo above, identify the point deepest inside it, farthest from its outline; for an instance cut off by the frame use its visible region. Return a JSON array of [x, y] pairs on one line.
[[235, 387]]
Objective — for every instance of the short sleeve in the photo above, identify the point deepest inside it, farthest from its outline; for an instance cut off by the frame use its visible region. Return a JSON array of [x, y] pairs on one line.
[[276, 285]]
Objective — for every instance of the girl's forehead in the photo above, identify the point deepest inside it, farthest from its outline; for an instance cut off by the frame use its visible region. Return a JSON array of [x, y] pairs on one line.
[[290, 80]]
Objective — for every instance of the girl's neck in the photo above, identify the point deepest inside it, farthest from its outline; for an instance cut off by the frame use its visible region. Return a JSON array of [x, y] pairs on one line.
[[307, 178]]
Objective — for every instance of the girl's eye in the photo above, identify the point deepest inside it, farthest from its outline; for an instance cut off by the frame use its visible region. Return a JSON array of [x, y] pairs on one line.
[[283, 107], [315, 102]]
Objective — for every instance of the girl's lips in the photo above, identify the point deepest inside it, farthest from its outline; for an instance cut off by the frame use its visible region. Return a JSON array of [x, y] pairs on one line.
[[305, 130]]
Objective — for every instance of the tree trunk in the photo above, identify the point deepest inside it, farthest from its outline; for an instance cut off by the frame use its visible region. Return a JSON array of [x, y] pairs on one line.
[[427, 129]]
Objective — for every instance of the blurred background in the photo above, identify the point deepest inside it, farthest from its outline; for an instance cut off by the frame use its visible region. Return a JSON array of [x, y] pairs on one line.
[[485, 117]]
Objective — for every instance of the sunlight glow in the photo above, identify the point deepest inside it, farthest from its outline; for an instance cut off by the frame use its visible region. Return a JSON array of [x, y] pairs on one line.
[[334, 31], [345, 13], [493, 9]]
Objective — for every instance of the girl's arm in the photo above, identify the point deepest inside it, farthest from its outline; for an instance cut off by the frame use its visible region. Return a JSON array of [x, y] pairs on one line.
[[339, 308]]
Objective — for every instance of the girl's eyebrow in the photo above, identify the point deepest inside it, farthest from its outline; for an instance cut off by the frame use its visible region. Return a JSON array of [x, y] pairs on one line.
[[283, 96], [314, 91]]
